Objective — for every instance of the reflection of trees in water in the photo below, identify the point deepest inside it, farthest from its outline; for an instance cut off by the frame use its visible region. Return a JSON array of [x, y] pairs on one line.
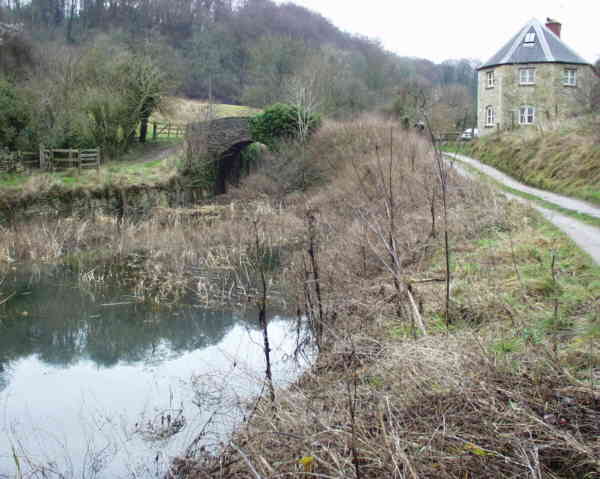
[[61, 325], [3, 375]]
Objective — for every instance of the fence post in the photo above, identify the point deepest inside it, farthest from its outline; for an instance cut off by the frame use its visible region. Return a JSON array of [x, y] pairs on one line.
[[42, 158], [154, 130]]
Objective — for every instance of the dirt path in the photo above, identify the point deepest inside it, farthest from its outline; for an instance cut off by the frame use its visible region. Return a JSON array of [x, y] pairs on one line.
[[585, 236], [160, 153]]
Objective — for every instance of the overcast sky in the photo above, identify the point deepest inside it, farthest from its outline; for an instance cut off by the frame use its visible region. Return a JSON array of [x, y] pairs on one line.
[[443, 29]]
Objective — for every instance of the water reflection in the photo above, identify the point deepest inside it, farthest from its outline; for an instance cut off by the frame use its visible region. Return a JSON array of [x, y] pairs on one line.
[[62, 324], [79, 368]]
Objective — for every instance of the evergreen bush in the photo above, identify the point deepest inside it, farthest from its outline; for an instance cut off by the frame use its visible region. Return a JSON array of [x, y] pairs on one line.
[[282, 122]]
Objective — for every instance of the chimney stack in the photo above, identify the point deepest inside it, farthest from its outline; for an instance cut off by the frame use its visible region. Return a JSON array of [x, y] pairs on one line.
[[554, 26]]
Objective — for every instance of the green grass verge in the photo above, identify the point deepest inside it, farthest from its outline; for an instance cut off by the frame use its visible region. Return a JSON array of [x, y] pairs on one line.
[[524, 285], [131, 169], [591, 220]]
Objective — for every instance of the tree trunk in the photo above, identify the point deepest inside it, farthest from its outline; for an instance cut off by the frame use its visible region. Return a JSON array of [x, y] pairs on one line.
[[144, 128]]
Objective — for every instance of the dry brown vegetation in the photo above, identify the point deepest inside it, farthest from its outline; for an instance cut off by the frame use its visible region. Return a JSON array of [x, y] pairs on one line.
[[506, 389], [504, 392]]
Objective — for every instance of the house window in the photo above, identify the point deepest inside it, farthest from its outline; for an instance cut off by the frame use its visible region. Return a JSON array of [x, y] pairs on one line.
[[491, 79], [526, 115], [527, 76], [490, 116], [570, 77], [529, 40]]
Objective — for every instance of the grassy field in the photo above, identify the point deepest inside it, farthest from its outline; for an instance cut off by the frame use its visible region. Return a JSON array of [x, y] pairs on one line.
[[565, 160], [148, 164], [183, 111]]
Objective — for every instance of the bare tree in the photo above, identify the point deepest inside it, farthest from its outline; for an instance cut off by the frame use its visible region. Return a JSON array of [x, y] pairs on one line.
[[263, 255], [442, 171], [301, 92], [379, 186]]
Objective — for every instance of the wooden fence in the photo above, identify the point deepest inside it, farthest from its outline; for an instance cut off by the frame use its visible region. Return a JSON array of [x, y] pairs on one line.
[[51, 160], [13, 160], [448, 136], [169, 130]]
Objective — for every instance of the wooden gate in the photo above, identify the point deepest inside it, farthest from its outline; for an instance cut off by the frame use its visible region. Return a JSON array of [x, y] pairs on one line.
[[167, 130]]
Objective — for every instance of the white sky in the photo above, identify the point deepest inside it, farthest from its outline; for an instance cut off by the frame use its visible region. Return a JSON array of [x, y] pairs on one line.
[[443, 29]]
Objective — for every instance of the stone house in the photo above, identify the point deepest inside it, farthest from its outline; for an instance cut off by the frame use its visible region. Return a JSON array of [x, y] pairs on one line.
[[533, 80]]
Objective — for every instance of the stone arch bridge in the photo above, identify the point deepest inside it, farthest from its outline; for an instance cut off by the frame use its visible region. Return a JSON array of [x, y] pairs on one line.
[[222, 141]]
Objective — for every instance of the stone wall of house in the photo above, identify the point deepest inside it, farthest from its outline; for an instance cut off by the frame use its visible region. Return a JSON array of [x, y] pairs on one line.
[[489, 97], [569, 100], [553, 100]]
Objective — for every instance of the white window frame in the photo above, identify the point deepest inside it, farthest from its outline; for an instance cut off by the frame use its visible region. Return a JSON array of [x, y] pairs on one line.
[[490, 116], [491, 79], [570, 77], [529, 38], [526, 115], [527, 76]]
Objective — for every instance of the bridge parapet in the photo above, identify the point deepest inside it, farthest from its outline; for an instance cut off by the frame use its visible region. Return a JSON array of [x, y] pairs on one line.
[[218, 136]]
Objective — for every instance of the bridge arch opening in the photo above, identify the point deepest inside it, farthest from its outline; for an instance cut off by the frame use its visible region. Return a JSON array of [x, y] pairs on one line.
[[222, 141], [231, 166]]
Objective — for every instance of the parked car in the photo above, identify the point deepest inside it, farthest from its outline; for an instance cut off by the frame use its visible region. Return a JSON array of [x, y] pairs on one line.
[[469, 134]]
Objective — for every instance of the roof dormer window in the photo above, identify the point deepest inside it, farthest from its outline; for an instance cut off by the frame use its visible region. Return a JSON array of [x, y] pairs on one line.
[[529, 39]]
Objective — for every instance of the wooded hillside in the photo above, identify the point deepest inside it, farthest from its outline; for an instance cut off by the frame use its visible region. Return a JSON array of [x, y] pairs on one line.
[[62, 54]]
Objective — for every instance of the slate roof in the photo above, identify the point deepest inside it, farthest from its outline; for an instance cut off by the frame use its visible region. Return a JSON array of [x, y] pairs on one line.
[[546, 48]]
